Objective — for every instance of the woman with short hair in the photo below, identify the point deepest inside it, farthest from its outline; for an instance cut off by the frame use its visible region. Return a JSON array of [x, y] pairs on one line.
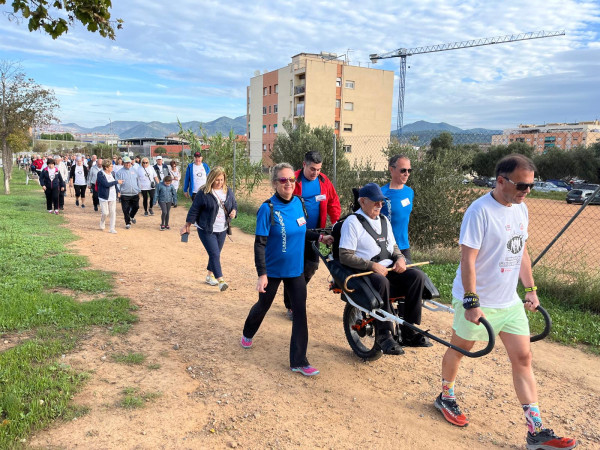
[[53, 184], [146, 176], [108, 188]]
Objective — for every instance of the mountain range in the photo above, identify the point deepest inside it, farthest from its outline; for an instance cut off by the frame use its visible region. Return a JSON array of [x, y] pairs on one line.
[[421, 132], [128, 129]]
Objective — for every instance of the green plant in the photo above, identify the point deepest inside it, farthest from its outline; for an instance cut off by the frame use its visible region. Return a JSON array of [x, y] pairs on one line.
[[129, 358]]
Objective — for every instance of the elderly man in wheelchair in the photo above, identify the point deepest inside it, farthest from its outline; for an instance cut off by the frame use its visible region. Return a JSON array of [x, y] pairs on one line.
[[367, 244]]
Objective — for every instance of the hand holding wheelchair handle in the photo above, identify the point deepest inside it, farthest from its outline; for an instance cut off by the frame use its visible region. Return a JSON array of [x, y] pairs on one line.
[[362, 274]]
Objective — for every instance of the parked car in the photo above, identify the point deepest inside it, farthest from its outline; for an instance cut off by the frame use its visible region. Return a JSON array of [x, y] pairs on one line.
[[587, 186], [480, 181], [561, 183], [545, 186], [578, 195], [595, 200]]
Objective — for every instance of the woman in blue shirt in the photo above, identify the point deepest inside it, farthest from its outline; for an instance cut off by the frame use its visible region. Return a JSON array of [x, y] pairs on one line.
[[279, 256]]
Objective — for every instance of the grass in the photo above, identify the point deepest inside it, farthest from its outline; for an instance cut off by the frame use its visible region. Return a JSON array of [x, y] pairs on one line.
[[134, 399], [36, 387], [130, 358]]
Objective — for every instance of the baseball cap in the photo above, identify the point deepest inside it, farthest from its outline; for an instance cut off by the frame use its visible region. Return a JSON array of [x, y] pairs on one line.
[[197, 154], [372, 191], [158, 157], [126, 159]]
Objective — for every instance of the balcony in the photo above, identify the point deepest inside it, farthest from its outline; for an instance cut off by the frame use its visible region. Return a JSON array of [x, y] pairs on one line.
[[299, 111], [299, 90]]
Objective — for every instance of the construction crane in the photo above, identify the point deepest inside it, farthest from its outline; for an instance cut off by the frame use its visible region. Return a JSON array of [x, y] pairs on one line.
[[403, 53]]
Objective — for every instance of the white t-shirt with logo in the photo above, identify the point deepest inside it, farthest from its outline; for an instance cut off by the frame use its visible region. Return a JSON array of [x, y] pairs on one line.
[[499, 233], [79, 176], [355, 237], [199, 176], [112, 191], [220, 222]]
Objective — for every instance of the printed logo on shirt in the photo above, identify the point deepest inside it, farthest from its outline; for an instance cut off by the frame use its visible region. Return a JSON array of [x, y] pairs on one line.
[[507, 227], [283, 232], [301, 221], [405, 202], [515, 244]]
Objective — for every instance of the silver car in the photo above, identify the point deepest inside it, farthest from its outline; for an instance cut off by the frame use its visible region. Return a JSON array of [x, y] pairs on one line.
[[546, 186]]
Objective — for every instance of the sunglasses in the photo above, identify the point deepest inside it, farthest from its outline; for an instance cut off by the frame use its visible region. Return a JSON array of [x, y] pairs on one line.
[[404, 170], [284, 180], [520, 186], [144, 163]]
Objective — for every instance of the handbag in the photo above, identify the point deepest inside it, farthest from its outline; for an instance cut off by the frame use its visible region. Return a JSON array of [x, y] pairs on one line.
[[152, 182]]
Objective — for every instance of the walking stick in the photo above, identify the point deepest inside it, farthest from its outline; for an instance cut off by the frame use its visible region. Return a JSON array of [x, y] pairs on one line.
[[362, 274]]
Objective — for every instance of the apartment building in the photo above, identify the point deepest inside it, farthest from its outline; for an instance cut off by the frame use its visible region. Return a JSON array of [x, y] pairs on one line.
[[544, 137], [323, 90]]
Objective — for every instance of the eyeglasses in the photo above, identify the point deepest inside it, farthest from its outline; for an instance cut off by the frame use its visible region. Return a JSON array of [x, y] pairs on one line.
[[144, 162], [403, 170], [520, 186], [284, 180]]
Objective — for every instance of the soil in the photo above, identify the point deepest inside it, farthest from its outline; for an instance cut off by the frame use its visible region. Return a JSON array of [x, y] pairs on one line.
[[214, 394]]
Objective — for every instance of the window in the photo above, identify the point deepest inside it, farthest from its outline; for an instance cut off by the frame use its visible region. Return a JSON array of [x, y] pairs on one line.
[[269, 109], [269, 89], [291, 88], [264, 110], [277, 89], [264, 91], [269, 147], [264, 147], [337, 125], [269, 129], [338, 103], [275, 109], [349, 106], [264, 129], [347, 127], [338, 82], [275, 128], [347, 149], [349, 84]]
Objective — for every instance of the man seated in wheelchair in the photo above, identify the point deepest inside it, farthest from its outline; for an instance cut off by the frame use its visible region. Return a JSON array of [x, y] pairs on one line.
[[367, 244]]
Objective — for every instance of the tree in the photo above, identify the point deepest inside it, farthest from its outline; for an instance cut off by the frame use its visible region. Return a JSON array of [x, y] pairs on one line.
[[95, 15], [160, 151], [23, 105]]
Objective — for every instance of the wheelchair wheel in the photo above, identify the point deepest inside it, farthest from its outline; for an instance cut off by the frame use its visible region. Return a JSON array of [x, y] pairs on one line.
[[360, 332]]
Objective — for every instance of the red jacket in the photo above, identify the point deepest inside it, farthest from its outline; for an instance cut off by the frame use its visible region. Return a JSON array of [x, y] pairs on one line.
[[329, 207]]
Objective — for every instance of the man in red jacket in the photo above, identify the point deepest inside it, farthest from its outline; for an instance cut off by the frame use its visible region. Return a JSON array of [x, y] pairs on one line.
[[320, 200]]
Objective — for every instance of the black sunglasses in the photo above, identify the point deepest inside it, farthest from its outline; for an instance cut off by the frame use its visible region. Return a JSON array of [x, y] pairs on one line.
[[520, 186], [403, 170]]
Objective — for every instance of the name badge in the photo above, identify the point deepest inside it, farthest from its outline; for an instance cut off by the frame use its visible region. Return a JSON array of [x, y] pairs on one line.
[[405, 202], [320, 197], [301, 221]]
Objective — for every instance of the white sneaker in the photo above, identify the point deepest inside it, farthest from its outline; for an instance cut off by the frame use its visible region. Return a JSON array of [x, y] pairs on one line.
[[102, 226], [210, 279], [223, 285], [113, 231]]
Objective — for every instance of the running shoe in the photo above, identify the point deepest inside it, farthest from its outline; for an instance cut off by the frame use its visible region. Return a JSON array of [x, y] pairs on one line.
[[145, 213], [95, 208], [127, 226], [56, 211], [51, 211], [210, 279], [547, 440], [133, 220], [113, 231], [162, 228], [451, 411], [82, 205], [151, 212], [308, 371], [245, 342], [290, 314], [167, 227], [223, 285], [76, 202]]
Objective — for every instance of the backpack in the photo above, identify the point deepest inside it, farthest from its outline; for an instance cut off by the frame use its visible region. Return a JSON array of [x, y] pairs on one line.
[[380, 239], [268, 202]]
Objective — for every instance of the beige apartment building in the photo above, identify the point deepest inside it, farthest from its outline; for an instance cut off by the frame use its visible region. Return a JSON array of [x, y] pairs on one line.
[[355, 101], [560, 135]]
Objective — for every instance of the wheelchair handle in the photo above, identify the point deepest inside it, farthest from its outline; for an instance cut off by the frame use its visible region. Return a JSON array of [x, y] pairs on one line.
[[362, 274], [547, 325]]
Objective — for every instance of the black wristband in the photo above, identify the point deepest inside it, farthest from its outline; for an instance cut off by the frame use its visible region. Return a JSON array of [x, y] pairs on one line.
[[471, 300]]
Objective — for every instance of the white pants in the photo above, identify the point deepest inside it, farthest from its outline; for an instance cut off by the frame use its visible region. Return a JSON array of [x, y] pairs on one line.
[[108, 208]]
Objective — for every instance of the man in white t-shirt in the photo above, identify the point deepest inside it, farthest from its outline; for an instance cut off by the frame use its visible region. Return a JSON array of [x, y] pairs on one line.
[[367, 243], [493, 259], [195, 176]]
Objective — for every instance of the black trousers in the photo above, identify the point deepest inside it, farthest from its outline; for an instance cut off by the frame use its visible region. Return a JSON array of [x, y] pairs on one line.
[[299, 340], [61, 199], [52, 196], [311, 264], [145, 195], [408, 284], [95, 199], [130, 205]]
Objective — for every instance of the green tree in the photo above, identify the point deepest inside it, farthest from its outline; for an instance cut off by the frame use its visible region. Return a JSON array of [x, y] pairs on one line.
[[220, 152], [554, 164], [484, 163], [160, 151], [23, 105], [443, 142], [44, 14]]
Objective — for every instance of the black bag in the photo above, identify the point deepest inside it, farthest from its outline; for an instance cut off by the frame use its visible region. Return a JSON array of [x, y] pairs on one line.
[[152, 184]]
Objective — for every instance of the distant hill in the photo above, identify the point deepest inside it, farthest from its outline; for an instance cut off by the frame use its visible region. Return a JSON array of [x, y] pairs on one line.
[[136, 129], [421, 132]]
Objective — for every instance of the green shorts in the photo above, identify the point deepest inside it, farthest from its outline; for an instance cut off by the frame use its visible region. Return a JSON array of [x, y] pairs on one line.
[[511, 320]]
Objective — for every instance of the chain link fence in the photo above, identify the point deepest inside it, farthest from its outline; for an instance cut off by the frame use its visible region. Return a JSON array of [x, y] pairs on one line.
[[564, 214]]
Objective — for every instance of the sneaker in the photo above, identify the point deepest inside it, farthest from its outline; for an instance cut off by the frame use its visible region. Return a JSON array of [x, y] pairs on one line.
[[290, 314], [245, 342], [162, 228], [113, 231], [102, 227], [62, 208], [210, 279], [145, 213], [308, 371], [223, 285], [127, 227], [546, 439], [451, 411], [56, 211], [167, 227], [133, 220], [51, 211], [82, 205], [76, 202], [96, 208], [151, 212]]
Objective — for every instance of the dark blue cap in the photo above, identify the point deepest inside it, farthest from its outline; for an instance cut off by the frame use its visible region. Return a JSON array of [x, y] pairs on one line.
[[371, 191]]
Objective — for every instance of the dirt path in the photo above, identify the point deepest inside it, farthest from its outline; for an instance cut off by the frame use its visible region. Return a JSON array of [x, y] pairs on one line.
[[216, 394]]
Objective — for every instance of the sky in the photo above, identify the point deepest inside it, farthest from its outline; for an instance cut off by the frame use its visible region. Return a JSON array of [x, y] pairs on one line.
[[192, 60]]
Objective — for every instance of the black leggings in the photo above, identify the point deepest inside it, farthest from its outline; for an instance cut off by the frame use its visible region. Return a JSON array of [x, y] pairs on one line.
[[311, 264], [52, 198], [165, 208], [297, 289], [145, 195]]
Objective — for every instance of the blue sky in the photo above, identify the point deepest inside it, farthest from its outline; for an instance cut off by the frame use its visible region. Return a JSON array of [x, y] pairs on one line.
[[192, 60]]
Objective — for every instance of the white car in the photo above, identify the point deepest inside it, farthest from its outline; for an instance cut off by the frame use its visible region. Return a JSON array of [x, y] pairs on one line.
[[546, 186]]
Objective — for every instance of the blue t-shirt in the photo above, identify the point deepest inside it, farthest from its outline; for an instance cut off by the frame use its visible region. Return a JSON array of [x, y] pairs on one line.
[[397, 209], [285, 239], [310, 190]]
